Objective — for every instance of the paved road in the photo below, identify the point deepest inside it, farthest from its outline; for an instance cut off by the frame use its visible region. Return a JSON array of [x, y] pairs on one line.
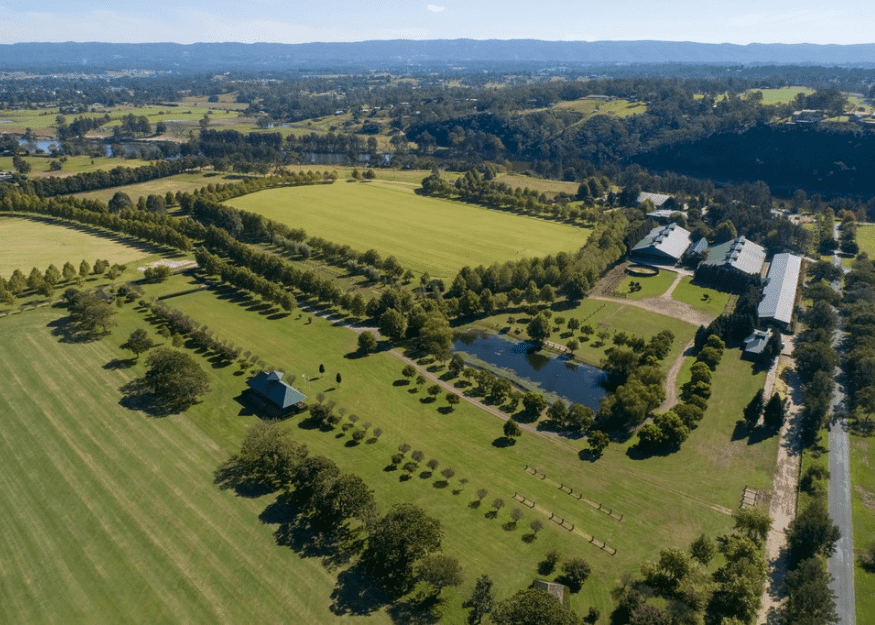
[[841, 564]]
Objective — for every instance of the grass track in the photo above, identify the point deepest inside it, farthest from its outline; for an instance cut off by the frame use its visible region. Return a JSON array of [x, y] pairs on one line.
[[40, 244], [424, 234]]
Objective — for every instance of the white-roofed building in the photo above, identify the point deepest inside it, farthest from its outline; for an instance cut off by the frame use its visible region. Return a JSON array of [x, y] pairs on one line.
[[779, 293], [664, 244]]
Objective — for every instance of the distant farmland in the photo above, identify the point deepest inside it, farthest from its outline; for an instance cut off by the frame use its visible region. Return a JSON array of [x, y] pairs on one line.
[[424, 234]]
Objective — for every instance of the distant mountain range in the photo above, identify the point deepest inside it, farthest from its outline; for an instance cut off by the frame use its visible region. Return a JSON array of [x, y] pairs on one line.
[[400, 53]]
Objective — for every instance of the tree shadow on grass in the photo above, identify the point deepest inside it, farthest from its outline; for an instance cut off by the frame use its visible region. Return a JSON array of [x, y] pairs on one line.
[[588, 455], [68, 332], [137, 396], [120, 363], [356, 594], [445, 410], [416, 611], [503, 441], [234, 475], [336, 547], [475, 504]]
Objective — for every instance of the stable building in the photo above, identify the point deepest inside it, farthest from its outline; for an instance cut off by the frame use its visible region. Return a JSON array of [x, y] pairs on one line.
[[733, 265], [274, 396], [663, 245], [779, 292]]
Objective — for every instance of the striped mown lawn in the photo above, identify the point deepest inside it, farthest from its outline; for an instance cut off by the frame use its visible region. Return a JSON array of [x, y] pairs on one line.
[[110, 516]]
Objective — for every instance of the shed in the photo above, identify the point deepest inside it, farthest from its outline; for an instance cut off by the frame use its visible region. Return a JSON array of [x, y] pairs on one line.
[[755, 344], [278, 397], [557, 590]]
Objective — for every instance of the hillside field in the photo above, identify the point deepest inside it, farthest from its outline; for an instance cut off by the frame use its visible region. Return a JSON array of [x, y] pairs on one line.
[[40, 243], [424, 234]]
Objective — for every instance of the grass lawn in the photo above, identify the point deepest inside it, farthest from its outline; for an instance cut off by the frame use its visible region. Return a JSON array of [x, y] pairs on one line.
[[863, 510], [541, 185], [110, 516], [39, 243], [784, 95], [866, 239], [589, 106], [651, 286], [424, 234], [695, 296]]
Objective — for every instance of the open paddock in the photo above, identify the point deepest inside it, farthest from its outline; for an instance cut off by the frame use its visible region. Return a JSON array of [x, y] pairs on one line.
[[42, 242], [425, 234]]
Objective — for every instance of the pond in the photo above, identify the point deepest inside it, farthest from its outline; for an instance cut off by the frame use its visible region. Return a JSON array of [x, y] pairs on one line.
[[575, 382]]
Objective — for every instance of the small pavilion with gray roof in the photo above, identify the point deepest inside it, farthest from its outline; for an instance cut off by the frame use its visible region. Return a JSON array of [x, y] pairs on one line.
[[278, 398]]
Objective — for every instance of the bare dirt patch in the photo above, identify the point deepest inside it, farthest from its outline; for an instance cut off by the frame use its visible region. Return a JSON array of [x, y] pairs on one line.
[[866, 496]]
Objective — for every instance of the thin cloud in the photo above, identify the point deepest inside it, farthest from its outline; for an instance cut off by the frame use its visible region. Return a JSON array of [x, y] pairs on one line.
[[435, 8]]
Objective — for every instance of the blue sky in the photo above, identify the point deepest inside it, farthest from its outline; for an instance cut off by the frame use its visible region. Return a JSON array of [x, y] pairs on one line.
[[294, 21]]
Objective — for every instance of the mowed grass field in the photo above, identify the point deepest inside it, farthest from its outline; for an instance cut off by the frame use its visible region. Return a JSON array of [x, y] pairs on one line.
[[866, 239], [424, 234], [110, 516], [863, 510], [31, 243]]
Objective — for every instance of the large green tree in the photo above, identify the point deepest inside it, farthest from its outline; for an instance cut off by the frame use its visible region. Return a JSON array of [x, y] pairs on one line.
[[138, 342], [810, 601], [270, 455], [398, 540], [175, 378], [532, 607], [439, 570], [481, 600]]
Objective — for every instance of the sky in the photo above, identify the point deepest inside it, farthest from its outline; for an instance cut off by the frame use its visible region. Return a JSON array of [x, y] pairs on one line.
[[294, 21]]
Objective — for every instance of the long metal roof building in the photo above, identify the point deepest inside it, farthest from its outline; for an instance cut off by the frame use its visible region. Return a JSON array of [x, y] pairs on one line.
[[664, 242], [739, 254], [779, 293]]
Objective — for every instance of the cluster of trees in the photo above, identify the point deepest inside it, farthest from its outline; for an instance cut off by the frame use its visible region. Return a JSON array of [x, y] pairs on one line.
[[89, 316], [571, 273], [859, 321], [201, 337], [79, 127], [115, 177], [145, 226], [736, 326], [402, 546], [811, 538], [670, 429], [484, 190], [816, 362], [636, 380], [245, 279], [689, 591], [44, 282], [774, 412]]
